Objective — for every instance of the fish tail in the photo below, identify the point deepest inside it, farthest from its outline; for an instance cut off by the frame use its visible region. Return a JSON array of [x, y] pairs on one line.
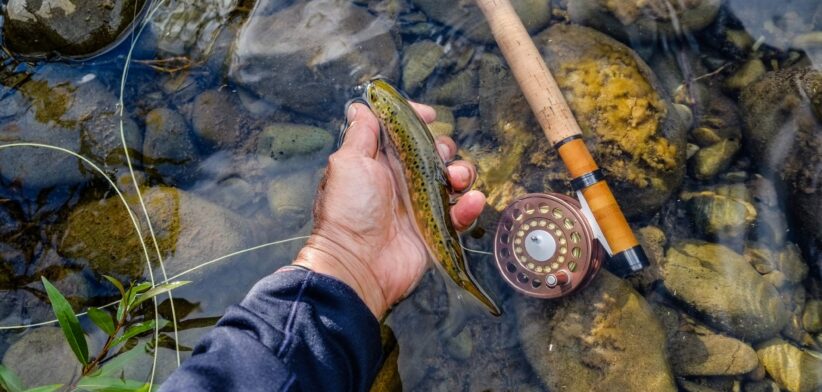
[[466, 281]]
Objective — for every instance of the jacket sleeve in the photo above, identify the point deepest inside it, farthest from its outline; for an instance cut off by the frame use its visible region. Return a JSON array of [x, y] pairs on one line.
[[295, 330]]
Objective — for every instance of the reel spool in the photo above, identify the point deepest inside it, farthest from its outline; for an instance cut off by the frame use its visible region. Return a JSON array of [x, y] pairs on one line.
[[545, 247]]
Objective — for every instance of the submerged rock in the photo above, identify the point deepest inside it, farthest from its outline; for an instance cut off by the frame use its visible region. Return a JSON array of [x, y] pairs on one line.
[[643, 19], [634, 132], [710, 355], [189, 231], [283, 141], [604, 338], [190, 28], [795, 370], [67, 28], [67, 110], [41, 357], [168, 147], [783, 132], [468, 19], [721, 287], [418, 62], [724, 211], [710, 161], [308, 55], [218, 118], [291, 197]]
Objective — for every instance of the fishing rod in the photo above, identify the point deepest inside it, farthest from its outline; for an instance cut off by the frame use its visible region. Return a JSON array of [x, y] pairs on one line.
[[535, 242]]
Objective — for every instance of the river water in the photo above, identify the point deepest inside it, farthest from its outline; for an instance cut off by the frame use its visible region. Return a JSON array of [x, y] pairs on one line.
[[213, 120]]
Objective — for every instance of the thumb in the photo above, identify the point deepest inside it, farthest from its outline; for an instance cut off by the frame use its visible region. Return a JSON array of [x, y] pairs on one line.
[[362, 133]]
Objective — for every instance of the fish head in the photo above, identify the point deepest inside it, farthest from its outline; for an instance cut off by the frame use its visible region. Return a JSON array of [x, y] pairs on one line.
[[378, 92]]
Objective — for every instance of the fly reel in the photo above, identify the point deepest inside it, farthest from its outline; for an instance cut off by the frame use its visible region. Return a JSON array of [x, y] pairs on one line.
[[545, 247]]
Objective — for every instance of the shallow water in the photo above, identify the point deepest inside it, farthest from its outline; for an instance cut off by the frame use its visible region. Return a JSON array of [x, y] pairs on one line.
[[228, 110]]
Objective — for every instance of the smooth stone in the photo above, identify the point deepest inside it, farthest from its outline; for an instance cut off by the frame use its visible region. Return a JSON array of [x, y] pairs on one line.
[[308, 55], [795, 370], [783, 132], [418, 62], [42, 356], [644, 20], [788, 261], [723, 211], [168, 147], [218, 118], [812, 316], [283, 141], [67, 28], [468, 19], [189, 231], [636, 135], [69, 110], [291, 197], [453, 91], [604, 338], [721, 287], [443, 125], [710, 355], [710, 161]]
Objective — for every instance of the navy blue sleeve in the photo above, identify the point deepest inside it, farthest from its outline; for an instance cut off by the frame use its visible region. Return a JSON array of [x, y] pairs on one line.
[[295, 330]]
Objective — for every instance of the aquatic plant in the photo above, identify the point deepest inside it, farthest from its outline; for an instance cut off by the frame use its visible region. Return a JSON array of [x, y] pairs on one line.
[[100, 372]]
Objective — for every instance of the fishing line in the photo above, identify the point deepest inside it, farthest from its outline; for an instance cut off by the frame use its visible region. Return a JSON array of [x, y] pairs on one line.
[[121, 108]]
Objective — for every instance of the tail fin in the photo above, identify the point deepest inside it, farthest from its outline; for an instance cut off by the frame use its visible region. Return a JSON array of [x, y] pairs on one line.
[[463, 278]]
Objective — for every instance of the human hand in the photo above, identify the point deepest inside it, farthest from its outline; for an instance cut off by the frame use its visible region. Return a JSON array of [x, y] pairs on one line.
[[362, 234]]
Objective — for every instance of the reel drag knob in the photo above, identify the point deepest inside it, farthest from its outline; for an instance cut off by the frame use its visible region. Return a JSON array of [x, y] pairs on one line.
[[544, 247]]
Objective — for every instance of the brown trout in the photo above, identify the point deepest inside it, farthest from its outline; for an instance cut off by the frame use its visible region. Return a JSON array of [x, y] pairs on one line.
[[413, 155]]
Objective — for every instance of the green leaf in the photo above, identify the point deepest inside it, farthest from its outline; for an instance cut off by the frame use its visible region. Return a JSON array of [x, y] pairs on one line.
[[116, 284], [9, 380], [68, 322], [109, 384], [45, 388], [157, 290], [117, 363], [102, 319], [140, 287], [134, 331]]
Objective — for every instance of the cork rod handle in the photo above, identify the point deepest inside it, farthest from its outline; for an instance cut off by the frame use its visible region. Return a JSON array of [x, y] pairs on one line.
[[558, 123], [539, 87]]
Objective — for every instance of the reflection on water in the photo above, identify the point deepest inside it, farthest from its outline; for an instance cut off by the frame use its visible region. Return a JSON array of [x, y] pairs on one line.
[[704, 114]]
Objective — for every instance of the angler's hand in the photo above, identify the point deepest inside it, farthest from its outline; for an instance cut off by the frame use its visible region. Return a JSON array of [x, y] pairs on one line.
[[362, 234]]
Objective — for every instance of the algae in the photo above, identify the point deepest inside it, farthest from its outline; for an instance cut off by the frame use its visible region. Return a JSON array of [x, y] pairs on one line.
[[102, 233], [613, 100], [50, 103]]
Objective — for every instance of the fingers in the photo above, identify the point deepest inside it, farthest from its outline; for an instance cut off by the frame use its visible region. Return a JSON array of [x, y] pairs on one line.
[[461, 175], [427, 113], [446, 147], [467, 210], [361, 136]]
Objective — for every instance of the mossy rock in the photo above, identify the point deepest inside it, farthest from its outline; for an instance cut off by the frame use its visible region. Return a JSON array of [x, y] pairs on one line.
[[637, 136], [283, 141]]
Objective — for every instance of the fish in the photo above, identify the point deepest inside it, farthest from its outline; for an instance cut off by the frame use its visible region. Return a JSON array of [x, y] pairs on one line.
[[413, 157]]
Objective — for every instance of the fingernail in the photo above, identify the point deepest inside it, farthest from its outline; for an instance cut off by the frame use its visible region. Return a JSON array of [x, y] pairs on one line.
[[460, 173], [443, 149], [352, 111]]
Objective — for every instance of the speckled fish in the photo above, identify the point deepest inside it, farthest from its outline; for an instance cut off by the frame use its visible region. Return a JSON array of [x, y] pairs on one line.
[[413, 155]]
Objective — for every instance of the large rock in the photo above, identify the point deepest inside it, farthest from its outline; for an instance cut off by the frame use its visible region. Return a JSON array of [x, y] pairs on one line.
[[291, 197], [634, 132], [710, 355], [643, 19], [605, 338], [309, 55], [721, 287], [795, 370], [189, 231], [467, 18], [168, 147], [190, 28], [67, 28], [783, 132], [41, 357], [70, 110]]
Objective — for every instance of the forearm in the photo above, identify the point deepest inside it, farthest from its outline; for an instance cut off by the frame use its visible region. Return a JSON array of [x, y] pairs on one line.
[[296, 329]]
